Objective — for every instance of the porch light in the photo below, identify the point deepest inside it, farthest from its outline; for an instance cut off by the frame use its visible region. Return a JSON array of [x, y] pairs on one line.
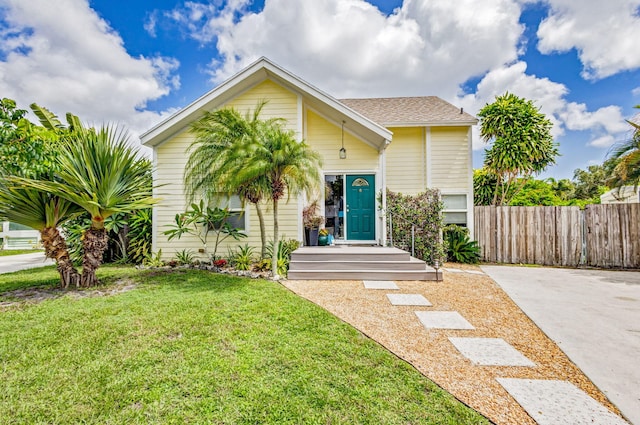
[[343, 151]]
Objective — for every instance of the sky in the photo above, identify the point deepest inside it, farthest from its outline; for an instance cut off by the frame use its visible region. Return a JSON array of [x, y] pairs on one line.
[[137, 62]]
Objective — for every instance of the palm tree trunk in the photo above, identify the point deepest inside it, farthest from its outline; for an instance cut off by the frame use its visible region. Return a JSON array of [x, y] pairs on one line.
[[263, 230], [55, 247], [94, 244], [276, 245]]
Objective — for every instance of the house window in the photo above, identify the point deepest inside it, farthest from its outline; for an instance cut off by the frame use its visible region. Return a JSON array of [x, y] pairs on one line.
[[455, 209], [237, 217]]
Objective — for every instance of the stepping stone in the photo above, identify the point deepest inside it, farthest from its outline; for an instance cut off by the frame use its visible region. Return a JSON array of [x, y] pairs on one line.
[[380, 284], [443, 320], [551, 402], [408, 299], [490, 352]]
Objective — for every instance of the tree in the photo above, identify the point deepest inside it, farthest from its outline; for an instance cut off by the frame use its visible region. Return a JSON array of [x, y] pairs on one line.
[[212, 166], [627, 155], [522, 144], [536, 193], [102, 175], [289, 167], [484, 186]]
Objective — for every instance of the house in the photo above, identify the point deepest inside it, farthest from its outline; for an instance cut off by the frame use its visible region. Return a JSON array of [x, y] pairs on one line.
[[17, 236], [405, 144], [621, 195]]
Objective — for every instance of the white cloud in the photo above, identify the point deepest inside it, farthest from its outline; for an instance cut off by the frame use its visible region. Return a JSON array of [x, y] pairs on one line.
[[604, 123], [636, 91], [349, 48], [63, 56], [605, 34], [603, 141]]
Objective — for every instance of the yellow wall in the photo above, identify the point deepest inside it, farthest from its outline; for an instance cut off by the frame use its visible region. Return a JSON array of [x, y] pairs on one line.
[[172, 156], [450, 165], [326, 138], [405, 156]]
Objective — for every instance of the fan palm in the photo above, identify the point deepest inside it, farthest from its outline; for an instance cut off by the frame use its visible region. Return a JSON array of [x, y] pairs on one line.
[[212, 166], [103, 175], [287, 165], [627, 155], [43, 212]]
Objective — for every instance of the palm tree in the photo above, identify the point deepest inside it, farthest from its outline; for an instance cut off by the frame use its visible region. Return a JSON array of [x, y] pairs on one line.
[[102, 174], [43, 212], [627, 156], [212, 166], [289, 167]]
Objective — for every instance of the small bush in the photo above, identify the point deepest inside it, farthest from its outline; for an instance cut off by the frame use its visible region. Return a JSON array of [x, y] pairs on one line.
[[460, 249], [185, 257], [242, 257]]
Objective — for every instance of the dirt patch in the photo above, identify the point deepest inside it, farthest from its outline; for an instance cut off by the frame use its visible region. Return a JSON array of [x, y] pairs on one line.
[[37, 295], [479, 300]]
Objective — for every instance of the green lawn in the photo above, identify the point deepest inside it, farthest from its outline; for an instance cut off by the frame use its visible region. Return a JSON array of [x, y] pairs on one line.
[[7, 252], [196, 347]]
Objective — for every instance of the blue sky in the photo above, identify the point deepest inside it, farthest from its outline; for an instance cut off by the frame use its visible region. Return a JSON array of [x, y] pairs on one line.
[[136, 62]]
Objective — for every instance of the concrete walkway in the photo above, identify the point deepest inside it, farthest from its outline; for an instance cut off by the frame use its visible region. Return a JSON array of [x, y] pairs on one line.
[[593, 316], [14, 263]]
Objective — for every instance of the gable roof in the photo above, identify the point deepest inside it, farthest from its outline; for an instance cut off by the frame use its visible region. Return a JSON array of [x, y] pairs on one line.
[[261, 70], [407, 111]]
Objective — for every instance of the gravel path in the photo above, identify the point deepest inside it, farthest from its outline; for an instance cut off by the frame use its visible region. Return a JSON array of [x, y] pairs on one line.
[[479, 300]]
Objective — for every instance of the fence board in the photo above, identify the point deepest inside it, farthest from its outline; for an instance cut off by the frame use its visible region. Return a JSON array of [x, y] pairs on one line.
[[555, 236]]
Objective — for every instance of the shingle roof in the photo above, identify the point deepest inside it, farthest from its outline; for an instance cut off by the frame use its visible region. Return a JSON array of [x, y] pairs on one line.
[[409, 110]]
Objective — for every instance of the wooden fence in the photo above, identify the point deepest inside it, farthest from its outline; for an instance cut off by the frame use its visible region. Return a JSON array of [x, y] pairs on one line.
[[598, 236]]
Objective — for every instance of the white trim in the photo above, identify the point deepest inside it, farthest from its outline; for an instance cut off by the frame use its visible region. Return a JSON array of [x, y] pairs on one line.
[[259, 71], [154, 209], [428, 160], [470, 203]]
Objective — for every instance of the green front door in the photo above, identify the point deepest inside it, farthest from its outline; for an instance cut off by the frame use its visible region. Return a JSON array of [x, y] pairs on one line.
[[361, 207]]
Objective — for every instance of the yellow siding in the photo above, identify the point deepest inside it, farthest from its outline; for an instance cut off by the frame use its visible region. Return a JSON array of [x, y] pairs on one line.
[[282, 103], [325, 138], [171, 158], [450, 166], [405, 161]]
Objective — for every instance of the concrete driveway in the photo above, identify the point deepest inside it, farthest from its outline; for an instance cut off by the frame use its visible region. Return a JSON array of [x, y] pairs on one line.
[[13, 263], [593, 316]]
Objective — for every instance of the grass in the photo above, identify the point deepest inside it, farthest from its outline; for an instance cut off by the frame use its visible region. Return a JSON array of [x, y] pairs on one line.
[[7, 252], [189, 346]]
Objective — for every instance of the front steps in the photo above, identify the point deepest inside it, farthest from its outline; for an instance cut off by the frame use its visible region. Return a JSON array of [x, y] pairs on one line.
[[343, 262]]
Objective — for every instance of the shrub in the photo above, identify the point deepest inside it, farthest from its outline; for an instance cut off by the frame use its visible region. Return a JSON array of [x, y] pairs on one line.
[[185, 257], [425, 212], [242, 257], [460, 248]]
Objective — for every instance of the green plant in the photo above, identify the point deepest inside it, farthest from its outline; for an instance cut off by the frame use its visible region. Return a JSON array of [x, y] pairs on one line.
[[153, 260], [199, 221], [424, 211], [140, 231], [242, 257], [185, 257], [285, 248], [460, 248], [323, 232]]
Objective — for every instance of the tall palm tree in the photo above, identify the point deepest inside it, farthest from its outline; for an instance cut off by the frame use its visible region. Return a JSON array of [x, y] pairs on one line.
[[43, 212], [212, 166], [102, 174], [627, 155], [289, 167]]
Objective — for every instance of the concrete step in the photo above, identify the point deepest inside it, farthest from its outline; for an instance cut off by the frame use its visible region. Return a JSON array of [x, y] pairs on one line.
[[349, 253], [363, 275], [348, 264]]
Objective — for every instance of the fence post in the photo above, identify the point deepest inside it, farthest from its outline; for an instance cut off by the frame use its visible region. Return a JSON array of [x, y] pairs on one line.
[[583, 254], [413, 240]]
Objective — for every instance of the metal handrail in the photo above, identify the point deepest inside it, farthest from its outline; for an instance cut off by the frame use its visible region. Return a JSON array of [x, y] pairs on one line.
[[414, 226]]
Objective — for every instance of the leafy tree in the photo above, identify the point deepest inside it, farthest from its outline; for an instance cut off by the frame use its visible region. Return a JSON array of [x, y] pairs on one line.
[[212, 166], [627, 155], [199, 221], [288, 166], [522, 144], [484, 186], [536, 193], [101, 174]]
